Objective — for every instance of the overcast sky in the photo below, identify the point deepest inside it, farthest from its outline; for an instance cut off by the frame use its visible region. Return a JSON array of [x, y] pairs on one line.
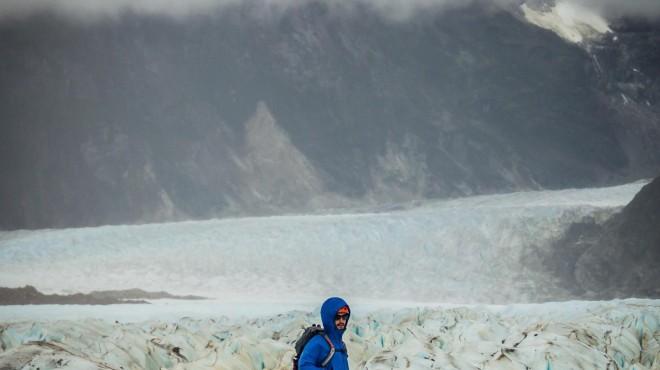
[[397, 9]]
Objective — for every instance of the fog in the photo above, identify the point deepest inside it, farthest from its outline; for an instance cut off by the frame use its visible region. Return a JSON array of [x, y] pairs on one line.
[[91, 10]]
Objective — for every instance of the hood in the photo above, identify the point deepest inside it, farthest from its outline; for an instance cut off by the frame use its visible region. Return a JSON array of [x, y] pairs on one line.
[[328, 312]]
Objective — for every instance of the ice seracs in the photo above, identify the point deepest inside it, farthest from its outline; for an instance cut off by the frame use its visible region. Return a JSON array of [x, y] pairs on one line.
[[571, 335], [571, 22]]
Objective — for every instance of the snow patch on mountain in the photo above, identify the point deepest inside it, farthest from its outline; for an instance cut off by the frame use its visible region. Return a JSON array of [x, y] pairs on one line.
[[570, 21]]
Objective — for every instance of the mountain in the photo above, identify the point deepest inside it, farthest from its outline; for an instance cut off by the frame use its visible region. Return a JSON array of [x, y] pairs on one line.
[[29, 295], [616, 258], [144, 118]]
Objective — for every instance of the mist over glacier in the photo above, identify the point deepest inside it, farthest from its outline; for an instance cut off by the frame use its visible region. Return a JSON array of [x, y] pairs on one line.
[[485, 249]]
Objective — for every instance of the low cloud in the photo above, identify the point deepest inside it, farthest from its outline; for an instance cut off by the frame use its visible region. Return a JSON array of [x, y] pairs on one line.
[[95, 9], [393, 9], [612, 9], [90, 10]]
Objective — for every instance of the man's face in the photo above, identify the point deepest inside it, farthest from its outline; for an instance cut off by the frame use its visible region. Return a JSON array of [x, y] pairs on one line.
[[340, 321]]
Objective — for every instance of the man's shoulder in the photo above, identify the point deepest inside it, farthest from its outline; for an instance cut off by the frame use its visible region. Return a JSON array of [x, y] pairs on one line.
[[317, 341]]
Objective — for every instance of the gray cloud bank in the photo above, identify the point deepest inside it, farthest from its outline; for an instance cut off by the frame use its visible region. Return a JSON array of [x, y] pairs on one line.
[[90, 10], [623, 8]]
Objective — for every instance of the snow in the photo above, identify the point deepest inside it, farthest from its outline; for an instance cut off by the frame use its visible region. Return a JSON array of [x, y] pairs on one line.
[[269, 276], [569, 335], [465, 250], [569, 20]]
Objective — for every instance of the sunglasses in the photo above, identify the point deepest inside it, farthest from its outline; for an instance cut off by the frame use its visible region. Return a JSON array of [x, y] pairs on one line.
[[341, 317]]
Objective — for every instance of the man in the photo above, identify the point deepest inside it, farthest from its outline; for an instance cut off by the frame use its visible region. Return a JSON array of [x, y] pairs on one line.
[[334, 316]]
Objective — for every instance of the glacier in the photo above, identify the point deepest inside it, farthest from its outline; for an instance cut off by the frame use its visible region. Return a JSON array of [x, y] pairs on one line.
[[467, 250], [417, 278], [569, 335]]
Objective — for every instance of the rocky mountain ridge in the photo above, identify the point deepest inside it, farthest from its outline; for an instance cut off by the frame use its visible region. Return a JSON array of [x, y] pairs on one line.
[[28, 295], [615, 258], [144, 119]]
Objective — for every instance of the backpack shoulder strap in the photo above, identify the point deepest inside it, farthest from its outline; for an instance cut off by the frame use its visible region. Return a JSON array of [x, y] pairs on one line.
[[331, 353], [342, 349]]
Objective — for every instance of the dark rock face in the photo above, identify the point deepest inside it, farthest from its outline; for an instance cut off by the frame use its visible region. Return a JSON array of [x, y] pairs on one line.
[[145, 119], [30, 295], [628, 66], [619, 258]]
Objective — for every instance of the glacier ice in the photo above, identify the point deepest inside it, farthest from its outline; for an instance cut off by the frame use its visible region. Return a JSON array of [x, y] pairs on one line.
[[569, 335], [266, 271], [462, 250]]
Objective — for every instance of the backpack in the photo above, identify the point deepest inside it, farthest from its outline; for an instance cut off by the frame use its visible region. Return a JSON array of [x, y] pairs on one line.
[[309, 333]]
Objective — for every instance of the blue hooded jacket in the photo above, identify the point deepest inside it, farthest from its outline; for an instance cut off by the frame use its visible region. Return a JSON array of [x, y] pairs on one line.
[[317, 348]]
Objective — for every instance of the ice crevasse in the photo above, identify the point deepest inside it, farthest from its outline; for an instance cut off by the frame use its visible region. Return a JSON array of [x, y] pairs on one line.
[[570, 335]]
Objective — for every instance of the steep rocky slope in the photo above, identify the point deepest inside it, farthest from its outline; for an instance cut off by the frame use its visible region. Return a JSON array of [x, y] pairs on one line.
[[616, 258], [145, 118]]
